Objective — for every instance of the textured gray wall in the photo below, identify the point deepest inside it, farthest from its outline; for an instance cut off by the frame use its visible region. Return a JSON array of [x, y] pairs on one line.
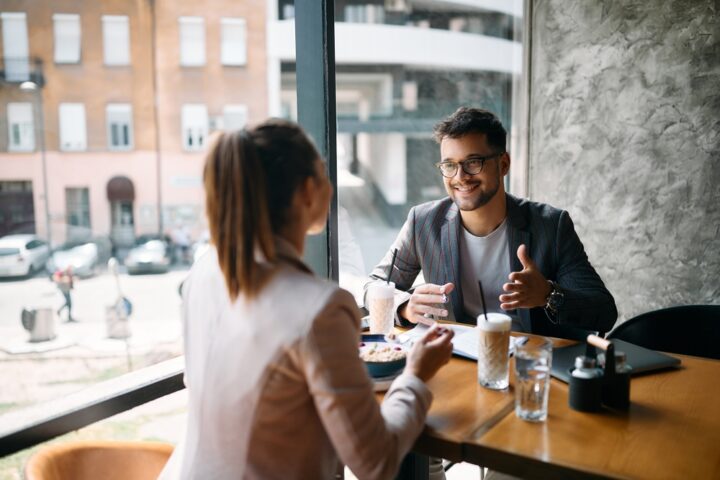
[[625, 135]]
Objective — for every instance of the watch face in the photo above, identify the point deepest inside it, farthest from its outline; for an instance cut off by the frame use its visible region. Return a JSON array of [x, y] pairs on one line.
[[556, 298]]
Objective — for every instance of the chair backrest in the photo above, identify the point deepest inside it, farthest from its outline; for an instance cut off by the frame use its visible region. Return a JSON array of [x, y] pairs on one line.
[[98, 459], [687, 330]]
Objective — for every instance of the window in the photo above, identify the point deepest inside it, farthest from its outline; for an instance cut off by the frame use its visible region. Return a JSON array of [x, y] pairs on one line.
[[15, 47], [73, 136], [192, 41], [388, 99], [121, 162], [67, 38], [77, 207], [119, 126], [235, 117], [116, 40], [21, 132], [233, 33], [194, 126]]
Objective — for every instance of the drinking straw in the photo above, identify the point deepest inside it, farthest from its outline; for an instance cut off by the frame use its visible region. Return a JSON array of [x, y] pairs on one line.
[[392, 265], [482, 300]]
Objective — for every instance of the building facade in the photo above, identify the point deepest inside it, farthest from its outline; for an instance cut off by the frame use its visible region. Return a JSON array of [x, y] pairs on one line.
[[110, 104]]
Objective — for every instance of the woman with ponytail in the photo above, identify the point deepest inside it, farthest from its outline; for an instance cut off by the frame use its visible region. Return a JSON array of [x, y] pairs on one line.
[[276, 388]]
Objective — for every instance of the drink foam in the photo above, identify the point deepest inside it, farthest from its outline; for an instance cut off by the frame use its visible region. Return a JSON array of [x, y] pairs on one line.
[[496, 322]]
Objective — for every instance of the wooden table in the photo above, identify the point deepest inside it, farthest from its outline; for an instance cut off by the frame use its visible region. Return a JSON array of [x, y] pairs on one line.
[[671, 431]]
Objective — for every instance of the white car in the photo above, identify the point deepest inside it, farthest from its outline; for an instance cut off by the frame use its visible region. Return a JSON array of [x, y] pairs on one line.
[[82, 259], [22, 255]]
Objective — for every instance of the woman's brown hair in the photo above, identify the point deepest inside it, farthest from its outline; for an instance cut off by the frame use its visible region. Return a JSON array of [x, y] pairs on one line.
[[250, 177]]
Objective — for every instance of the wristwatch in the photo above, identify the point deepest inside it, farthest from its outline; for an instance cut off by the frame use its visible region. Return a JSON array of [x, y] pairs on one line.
[[554, 301]]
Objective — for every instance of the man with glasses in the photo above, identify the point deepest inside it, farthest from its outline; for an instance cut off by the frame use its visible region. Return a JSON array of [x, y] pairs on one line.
[[527, 255]]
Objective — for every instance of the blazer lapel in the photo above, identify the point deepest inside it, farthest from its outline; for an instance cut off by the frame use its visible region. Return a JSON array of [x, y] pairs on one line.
[[450, 258], [518, 234]]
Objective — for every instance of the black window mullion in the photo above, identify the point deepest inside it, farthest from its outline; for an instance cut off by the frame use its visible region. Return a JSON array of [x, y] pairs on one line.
[[315, 63]]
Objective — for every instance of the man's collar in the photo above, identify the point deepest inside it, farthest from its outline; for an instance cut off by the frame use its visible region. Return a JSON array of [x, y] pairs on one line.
[[515, 213]]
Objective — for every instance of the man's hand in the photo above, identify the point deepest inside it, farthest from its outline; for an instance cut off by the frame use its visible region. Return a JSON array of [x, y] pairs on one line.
[[529, 288], [423, 300]]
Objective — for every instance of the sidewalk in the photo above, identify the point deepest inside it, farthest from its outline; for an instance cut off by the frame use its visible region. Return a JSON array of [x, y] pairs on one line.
[[80, 355]]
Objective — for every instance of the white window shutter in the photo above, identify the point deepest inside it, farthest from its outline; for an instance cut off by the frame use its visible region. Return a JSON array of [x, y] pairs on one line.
[[233, 32], [235, 117], [192, 41], [67, 38], [16, 51], [116, 40], [73, 134]]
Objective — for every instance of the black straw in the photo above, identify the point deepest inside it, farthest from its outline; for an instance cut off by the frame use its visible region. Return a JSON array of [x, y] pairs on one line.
[[392, 265], [482, 299]]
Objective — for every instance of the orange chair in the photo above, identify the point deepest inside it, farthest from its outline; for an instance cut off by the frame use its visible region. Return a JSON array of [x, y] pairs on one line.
[[98, 459]]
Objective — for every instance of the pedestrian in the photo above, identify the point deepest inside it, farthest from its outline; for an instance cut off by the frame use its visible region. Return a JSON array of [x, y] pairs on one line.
[[64, 281], [181, 237]]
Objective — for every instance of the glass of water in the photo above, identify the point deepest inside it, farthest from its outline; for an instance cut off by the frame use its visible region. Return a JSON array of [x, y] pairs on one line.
[[532, 379]]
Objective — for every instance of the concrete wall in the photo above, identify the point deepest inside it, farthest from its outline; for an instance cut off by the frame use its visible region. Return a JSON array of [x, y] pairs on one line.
[[625, 135]]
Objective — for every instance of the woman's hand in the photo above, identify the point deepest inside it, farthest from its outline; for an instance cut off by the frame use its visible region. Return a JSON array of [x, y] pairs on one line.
[[430, 353]]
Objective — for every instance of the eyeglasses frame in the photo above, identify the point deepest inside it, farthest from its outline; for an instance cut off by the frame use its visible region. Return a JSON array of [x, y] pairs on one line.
[[461, 164]]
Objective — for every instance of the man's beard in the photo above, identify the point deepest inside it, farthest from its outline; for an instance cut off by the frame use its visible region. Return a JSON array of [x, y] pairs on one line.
[[481, 200]]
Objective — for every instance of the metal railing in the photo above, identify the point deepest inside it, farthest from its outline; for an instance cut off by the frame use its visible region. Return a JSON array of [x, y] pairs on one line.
[[18, 70], [37, 424]]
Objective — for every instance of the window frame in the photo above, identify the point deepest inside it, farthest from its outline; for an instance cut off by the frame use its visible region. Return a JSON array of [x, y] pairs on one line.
[[108, 23], [196, 127], [186, 58], [234, 109], [16, 50], [228, 52], [67, 54], [28, 146], [63, 127], [115, 110], [315, 65]]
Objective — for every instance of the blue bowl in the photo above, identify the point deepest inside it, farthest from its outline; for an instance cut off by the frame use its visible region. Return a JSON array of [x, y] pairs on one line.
[[382, 369]]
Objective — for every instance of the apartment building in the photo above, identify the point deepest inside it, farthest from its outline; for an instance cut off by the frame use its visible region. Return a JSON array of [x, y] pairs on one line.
[[107, 107]]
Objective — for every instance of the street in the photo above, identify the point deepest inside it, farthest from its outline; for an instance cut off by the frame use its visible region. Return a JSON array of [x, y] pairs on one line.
[[82, 353], [154, 297]]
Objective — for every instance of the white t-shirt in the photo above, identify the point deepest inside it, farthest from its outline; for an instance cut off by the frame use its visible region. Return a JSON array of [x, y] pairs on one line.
[[486, 259]]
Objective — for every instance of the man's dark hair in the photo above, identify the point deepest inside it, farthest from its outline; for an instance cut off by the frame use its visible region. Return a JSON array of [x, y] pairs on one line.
[[467, 120]]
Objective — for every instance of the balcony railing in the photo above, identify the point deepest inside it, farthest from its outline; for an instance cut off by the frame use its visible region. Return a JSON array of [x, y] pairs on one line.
[[18, 70]]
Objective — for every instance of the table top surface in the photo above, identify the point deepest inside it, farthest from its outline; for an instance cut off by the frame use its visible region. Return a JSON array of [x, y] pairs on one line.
[[672, 429]]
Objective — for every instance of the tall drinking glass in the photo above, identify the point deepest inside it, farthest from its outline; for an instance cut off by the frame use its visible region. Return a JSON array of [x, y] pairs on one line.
[[532, 379], [493, 343], [382, 307]]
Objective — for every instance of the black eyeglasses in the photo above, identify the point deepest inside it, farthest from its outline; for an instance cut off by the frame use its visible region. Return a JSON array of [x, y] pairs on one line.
[[471, 166]]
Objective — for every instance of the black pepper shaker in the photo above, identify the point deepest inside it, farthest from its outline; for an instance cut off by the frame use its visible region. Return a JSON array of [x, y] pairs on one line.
[[585, 385]]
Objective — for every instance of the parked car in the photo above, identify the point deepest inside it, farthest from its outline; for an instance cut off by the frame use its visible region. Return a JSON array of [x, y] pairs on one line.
[[85, 257], [151, 254], [22, 254]]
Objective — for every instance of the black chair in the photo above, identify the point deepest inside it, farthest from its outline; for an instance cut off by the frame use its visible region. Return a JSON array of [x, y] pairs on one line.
[[687, 330]]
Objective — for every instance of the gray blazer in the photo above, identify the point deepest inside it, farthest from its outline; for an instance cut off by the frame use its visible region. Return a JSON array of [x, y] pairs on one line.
[[429, 241]]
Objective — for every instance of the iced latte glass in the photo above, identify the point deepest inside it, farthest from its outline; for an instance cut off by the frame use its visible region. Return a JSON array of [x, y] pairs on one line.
[[493, 343], [381, 305]]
